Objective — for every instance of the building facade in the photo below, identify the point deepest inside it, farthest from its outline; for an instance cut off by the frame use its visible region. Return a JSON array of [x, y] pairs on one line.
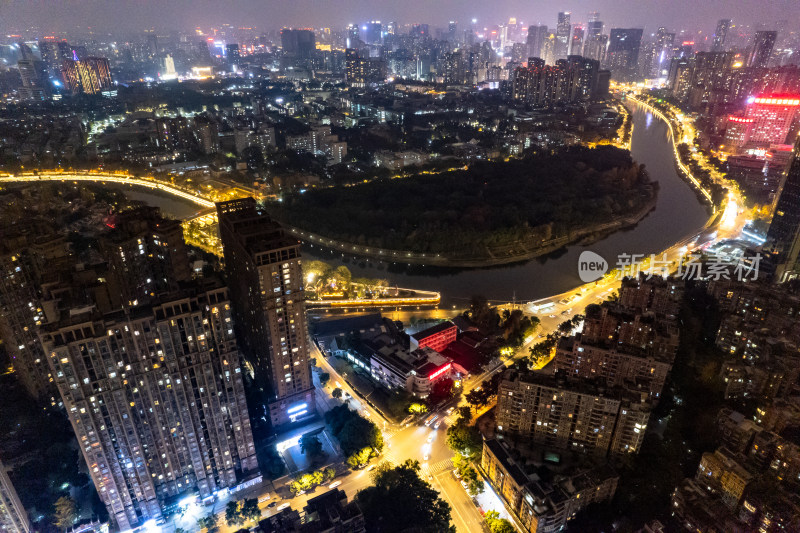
[[783, 237], [581, 416], [13, 517], [266, 280], [156, 399], [544, 506]]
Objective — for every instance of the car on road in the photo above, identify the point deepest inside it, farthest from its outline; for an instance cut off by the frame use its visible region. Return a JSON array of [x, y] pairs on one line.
[[426, 457], [272, 504], [552, 316], [464, 484], [334, 484], [450, 410], [370, 467], [455, 473], [262, 499], [430, 437], [436, 426], [283, 506]]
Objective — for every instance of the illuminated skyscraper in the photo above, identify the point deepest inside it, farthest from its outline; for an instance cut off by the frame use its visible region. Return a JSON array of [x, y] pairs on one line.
[[13, 518], [719, 35], [783, 238], [452, 31], [595, 47], [563, 31], [232, 53], [353, 36], [595, 26], [89, 75], [298, 43], [761, 49], [372, 32], [34, 78], [266, 280], [535, 40], [623, 52], [576, 43], [156, 400]]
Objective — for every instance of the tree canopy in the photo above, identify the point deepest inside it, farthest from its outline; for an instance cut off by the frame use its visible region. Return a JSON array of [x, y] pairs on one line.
[[355, 434], [489, 208], [400, 500]]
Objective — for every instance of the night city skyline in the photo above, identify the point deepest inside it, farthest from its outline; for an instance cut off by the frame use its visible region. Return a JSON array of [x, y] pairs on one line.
[[399, 267], [129, 15]]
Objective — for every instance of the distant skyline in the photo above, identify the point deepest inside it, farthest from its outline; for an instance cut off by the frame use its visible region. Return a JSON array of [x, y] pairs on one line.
[[133, 15]]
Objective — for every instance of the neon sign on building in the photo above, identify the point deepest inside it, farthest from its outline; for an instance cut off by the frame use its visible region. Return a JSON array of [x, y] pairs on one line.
[[441, 371]]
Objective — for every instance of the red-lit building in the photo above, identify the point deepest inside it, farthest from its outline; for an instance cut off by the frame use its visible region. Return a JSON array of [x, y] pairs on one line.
[[737, 132], [436, 337], [772, 117]]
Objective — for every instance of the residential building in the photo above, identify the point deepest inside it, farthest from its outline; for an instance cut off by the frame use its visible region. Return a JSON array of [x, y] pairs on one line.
[[544, 506], [20, 315], [145, 253], [156, 399], [578, 416], [13, 517], [640, 372], [330, 512], [263, 265]]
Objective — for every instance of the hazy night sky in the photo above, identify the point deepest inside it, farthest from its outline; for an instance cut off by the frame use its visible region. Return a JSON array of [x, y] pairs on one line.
[[66, 15]]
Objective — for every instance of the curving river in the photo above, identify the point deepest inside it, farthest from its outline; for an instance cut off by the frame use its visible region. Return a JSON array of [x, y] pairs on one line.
[[678, 213]]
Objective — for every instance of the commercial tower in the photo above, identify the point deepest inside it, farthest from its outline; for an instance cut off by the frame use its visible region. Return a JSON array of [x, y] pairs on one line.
[[89, 75], [783, 237], [576, 43], [535, 40], [623, 52], [719, 35], [266, 281], [13, 518], [595, 26], [761, 49], [298, 43], [563, 32]]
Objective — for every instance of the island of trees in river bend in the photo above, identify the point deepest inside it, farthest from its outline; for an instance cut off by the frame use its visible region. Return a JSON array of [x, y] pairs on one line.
[[491, 209]]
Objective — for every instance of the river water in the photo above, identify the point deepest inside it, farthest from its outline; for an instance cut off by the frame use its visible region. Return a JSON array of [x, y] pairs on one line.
[[678, 213]]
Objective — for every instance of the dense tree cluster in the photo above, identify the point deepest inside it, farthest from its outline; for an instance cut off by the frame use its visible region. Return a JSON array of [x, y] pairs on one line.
[[718, 192], [239, 512], [400, 500], [359, 438], [480, 396], [497, 524], [312, 479], [310, 445], [513, 326], [491, 207], [464, 438]]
